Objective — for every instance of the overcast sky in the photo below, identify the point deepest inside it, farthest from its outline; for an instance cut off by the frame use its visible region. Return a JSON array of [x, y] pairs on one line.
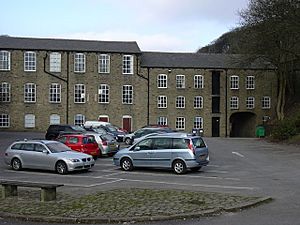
[[156, 25]]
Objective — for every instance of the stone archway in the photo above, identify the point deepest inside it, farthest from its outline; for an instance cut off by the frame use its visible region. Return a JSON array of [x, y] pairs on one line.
[[242, 124]]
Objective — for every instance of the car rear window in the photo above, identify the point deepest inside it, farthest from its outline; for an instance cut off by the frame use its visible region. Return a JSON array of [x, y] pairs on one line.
[[198, 143]]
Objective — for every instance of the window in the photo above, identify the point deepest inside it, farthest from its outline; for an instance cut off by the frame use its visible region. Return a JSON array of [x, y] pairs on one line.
[[104, 63], [29, 92], [127, 96], [127, 64], [198, 102], [198, 122], [162, 120], [54, 119], [79, 63], [162, 81], [266, 102], [250, 82], [4, 60], [103, 93], [234, 82], [30, 61], [250, 101], [55, 93], [79, 93], [79, 119], [162, 101], [180, 123], [198, 81], [55, 62], [180, 81], [4, 92], [234, 102], [180, 102], [4, 120], [29, 121]]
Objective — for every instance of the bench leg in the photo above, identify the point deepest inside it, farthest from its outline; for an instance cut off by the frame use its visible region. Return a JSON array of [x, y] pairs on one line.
[[9, 190], [48, 194]]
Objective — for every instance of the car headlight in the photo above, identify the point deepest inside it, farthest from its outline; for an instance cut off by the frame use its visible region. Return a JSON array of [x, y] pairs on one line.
[[74, 160]]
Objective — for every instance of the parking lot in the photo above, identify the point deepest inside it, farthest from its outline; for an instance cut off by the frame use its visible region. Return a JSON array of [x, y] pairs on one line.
[[242, 166]]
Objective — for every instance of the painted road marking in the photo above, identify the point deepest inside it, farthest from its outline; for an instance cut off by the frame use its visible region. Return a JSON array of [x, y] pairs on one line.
[[238, 154]]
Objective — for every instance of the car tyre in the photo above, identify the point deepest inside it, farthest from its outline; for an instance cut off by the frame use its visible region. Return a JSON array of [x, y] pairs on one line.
[[61, 167], [126, 164], [179, 167], [128, 141], [16, 164]]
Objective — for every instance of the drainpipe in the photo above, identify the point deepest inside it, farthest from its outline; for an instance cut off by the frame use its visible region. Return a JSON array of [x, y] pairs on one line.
[[226, 101]]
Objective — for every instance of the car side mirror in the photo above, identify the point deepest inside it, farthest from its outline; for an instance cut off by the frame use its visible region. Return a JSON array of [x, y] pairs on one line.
[[137, 148], [45, 151]]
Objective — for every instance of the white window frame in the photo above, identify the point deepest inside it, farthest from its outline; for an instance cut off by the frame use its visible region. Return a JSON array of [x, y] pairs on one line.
[[234, 102], [79, 119], [198, 122], [127, 67], [4, 120], [29, 61], [54, 119], [127, 94], [162, 81], [30, 93], [250, 102], [4, 60], [5, 90], [162, 120], [180, 102], [79, 93], [266, 102], [29, 121], [103, 93], [180, 123], [250, 82], [162, 101], [198, 102], [103, 63], [180, 81], [55, 93], [198, 81], [234, 82], [79, 63], [55, 62]]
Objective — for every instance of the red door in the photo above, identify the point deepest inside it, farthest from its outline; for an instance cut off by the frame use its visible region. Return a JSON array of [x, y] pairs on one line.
[[103, 119], [127, 123]]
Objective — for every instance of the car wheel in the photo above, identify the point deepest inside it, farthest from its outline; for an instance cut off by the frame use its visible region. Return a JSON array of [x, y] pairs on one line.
[[16, 164], [127, 141], [195, 169], [179, 167], [61, 167], [126, 164]]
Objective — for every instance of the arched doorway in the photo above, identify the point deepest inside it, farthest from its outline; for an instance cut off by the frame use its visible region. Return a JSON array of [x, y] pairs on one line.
[[242, 124]]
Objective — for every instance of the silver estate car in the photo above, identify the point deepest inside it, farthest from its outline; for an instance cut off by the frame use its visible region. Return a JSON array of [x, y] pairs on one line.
[[46, 155], [178, 151]]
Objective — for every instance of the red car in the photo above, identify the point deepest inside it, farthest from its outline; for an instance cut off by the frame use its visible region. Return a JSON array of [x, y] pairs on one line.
[[81, 143]]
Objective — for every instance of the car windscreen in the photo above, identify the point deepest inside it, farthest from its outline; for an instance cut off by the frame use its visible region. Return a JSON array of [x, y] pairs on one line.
[[78, 128], [57, 147], [111, 129]]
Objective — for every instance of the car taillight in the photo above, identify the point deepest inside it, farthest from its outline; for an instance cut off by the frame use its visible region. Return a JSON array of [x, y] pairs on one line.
[[191, 147], [104, 143]]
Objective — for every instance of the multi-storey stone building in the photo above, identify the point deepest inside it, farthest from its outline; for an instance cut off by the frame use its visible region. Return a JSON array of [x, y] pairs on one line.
[[46, 81]]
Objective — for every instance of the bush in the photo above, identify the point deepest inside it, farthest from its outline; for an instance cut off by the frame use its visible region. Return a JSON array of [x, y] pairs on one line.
[[285, 129]]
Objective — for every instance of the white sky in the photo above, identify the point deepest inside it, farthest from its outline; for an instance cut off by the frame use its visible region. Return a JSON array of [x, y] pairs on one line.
[[156, 25]]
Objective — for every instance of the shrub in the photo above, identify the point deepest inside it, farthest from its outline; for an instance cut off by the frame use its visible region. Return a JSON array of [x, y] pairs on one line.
[[285, 129]]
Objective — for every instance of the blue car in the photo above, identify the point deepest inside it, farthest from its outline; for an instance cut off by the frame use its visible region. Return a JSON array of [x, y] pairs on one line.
[[178, 151]]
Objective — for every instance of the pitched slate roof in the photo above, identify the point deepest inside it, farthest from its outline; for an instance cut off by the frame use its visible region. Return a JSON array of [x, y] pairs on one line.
[[20, 43], [201, 60]]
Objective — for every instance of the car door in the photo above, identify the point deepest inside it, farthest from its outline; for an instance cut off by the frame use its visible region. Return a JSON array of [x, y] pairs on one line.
[[42, 157], [27, 153], [161, 153], [141, 152]]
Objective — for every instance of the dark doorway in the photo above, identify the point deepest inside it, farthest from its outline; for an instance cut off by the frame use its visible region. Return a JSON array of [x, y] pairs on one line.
[[215, 127], [242, 124]]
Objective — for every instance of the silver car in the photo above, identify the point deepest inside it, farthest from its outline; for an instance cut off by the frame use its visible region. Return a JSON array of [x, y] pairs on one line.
[[108, 145], [179, 151], [46, 155]]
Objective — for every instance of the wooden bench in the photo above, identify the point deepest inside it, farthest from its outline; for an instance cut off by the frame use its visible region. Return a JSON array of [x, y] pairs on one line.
[[10, 188]]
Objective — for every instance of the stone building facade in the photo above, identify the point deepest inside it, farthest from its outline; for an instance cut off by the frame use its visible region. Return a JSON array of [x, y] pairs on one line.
[[45, 81]]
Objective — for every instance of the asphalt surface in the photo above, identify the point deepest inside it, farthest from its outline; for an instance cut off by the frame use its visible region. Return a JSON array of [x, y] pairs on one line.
[[250, 167]]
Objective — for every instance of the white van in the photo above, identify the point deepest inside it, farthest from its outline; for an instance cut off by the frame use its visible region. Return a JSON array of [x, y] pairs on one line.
[[95, 124]]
